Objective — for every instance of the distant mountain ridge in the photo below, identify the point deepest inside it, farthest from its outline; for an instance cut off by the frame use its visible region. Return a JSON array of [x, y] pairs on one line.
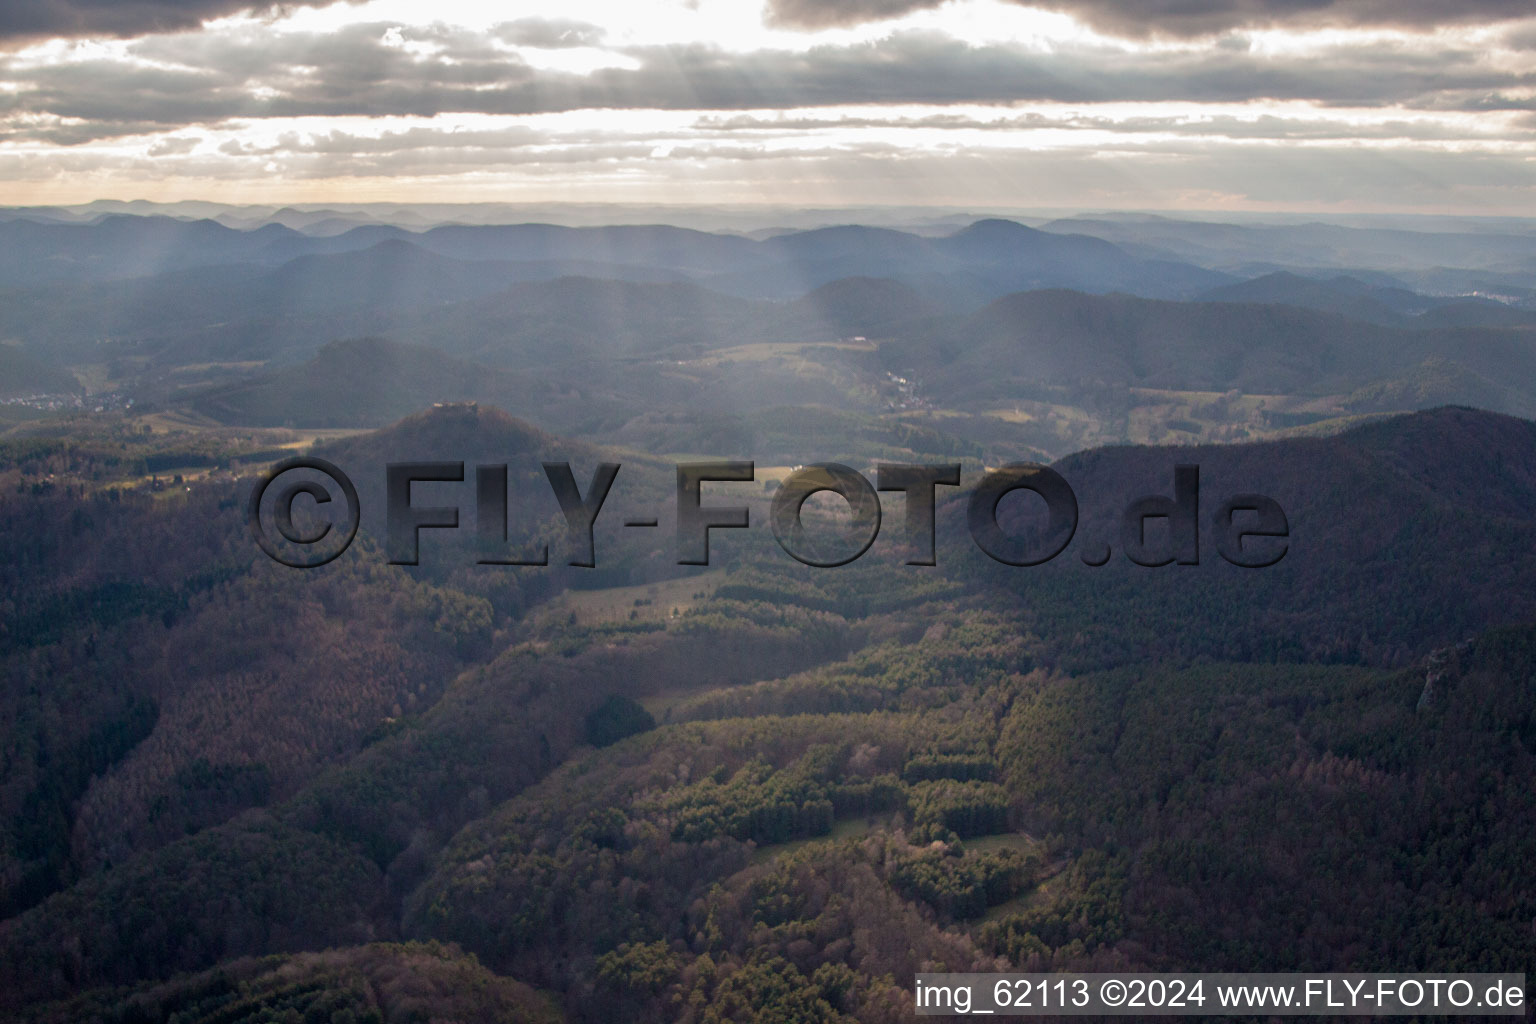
[[999, 256], [587, 354], [1031, 340], [1377, 304], [1497, 256]]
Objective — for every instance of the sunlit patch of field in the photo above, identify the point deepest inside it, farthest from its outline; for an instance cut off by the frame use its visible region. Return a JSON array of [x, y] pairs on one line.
[[1162, 416], [94, 377], [783, 363], [308, 437], [1189, 397], [1236, 405], [1041, 413], [1052, 886], [930, 414], [845, 828], [1021, 841], [659, 705], [163, 482], [858, 826], [642, 602], [1333, 425], [174, 421], [1187, 417], [179, 421], [796, 354], [272, 438], [245, 366], [775, 473]]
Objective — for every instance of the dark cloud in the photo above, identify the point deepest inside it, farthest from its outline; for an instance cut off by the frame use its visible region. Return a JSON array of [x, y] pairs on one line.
[[24, 20], [208, 78], [190, 105], [1141, 18], [1522, 38], [1222, 126], [812, 14], [548, 34], [173, 145], [79, 134], [244, 73]]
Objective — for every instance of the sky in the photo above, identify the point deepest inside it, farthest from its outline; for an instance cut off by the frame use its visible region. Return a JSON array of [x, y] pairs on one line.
[[1306, 105]]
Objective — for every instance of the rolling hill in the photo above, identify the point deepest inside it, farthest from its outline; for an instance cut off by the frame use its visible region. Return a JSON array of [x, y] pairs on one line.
[[361, 382], [576, 318], [1407, 533], [1346, 296], [1378, 304], [1069, 338]]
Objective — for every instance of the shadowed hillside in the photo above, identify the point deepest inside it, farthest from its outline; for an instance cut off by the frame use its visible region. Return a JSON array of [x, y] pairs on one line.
[[1406, 534]]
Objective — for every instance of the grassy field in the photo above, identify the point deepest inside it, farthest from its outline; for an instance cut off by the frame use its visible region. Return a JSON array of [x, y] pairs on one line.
[[847, 828], [311, 436], [645, 601], [794, 354], [1158, 416], [1003, 841], [183, 422], [1053, 879]]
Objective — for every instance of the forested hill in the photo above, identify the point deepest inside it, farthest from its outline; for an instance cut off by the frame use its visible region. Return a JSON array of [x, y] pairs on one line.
[[1406, 534], [760, 788]]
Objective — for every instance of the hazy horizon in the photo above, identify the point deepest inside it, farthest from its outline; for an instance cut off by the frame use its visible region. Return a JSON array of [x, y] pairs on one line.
[[743, 218]]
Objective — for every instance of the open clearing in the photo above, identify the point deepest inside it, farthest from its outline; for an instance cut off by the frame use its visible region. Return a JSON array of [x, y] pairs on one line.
[[846, 828], [644, 601]]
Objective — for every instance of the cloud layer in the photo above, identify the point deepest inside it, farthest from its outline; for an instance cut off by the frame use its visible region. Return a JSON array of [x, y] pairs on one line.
[[1183, 18], [360, 93], [379, 70], [31, 19]]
